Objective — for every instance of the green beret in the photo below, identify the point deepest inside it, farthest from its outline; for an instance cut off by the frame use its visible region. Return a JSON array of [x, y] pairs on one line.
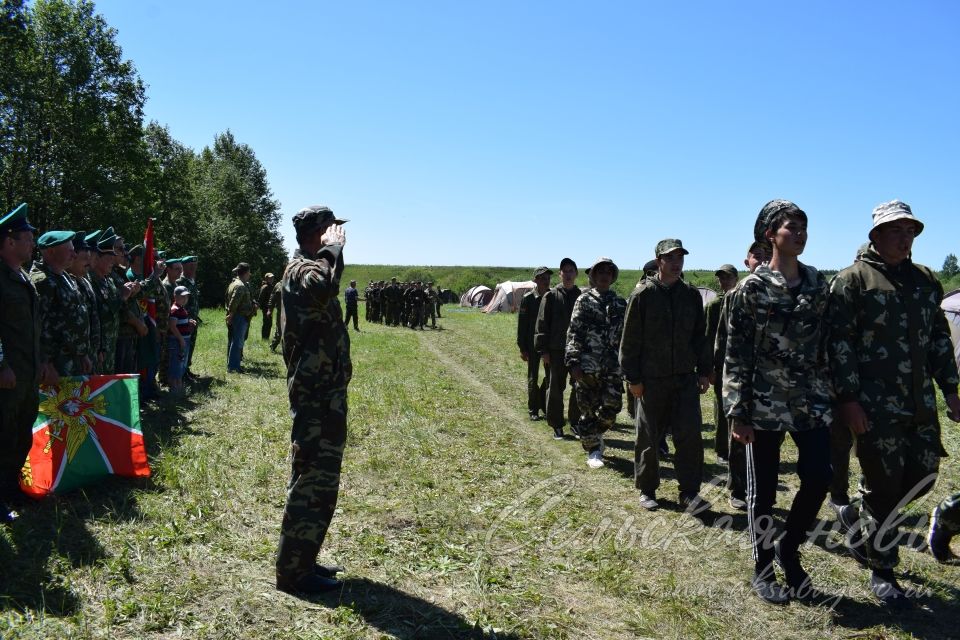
[[161, 255], [55, 239], [16, 220], [174, 261], [188, 259]]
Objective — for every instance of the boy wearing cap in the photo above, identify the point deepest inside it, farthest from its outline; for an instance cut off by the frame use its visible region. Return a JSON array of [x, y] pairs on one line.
[[526, 325], [550, 340], [593, 344], [180, 332], [19, 353], [263, 301], [889, 343], [666, 365], [776, 382], [189, 280], [351, 300]]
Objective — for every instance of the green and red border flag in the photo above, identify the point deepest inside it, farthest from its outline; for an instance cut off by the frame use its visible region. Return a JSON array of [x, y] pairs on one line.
[[87, 428]]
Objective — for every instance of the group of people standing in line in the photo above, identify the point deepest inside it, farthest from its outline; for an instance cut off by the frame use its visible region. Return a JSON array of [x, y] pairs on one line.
[[85, 307], [787, 352], [403, 304]]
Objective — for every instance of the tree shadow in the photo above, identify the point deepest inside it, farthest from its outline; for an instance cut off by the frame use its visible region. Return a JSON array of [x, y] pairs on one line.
[[400, 614]]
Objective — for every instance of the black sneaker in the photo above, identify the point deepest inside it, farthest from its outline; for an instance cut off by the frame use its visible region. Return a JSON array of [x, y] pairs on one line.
[[558, 433], [534, 416], [327, 570], [308, 584], [768, 589], [798, 580], [938, 539], [884, 585]]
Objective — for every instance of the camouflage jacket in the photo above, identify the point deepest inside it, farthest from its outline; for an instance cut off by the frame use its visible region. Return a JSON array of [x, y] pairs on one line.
[[316, 347], [19, 326], [713, 312], [596, 327], [64, 323], [193, 302], [527, 320], [775, 373], [275, 298], [889, 338], [162, 301], [553, 318], [239, 299], [109, 304], [663, 332], [93, 314]]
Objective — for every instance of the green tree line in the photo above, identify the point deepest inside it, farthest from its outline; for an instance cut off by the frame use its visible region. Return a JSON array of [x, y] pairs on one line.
[[74, 146]]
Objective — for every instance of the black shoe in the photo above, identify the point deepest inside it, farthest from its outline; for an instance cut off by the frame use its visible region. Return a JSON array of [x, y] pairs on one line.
[[308, 584], [884, 585], [534, 416], [768, 589], [694, 503], [797, 579], [558, 433], [575, 429], [327, 570], [848, 517], [664, 449], [938, 539]]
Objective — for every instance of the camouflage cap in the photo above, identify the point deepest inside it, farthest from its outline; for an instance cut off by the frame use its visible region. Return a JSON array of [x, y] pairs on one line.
[[728, 269], [314, 217], [894, 210], [668, 245], [758, 246], [55, 238], [605, 260], [651, 265], [542, 271], [770, 211]]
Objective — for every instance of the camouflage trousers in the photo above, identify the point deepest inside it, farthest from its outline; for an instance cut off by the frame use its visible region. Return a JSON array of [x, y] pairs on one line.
[[900, 461], [317, 441], [722, 441], [600, 398], [949, 514], [109, 349], [18, 410], [275, 341], [536, 391]]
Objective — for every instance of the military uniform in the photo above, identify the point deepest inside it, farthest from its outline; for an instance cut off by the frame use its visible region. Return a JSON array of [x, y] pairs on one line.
[[776, 380], [553, 319], [351, 299], [663, 349], [736, 452], [593, 344], [64, 321], [276, 307], [263, 300], [316, 350], [889, 341], [193, 308], [239, 305], [19, 352], [526, 324]]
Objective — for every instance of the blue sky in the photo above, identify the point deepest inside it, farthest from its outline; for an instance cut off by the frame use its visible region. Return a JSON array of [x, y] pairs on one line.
[[515, 133]]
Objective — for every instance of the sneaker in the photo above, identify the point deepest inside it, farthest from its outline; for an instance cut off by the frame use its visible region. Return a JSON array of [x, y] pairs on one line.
[[796, 577], [575, 429], [327, 570], [308, 584], [664, 449], [723, 462], [838, 501], [595, 458], [938, 539], [848, 517], [558, 433], [768, 589], [884, 585], [534, 416], [694, 502], [648, 503], [738, 503]]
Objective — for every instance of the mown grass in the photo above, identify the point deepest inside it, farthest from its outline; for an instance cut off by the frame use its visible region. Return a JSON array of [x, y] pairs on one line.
[[458, 518]]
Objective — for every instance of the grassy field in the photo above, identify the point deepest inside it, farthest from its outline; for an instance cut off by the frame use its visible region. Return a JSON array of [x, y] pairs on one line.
[[458, 518]]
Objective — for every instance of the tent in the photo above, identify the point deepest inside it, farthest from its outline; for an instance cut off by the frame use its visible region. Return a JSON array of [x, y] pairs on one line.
[[477, 296], [951, 307], [707, 294], [507, 295]]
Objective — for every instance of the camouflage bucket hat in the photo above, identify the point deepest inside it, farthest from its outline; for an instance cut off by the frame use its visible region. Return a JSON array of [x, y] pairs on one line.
[[894, 210], [770, 211], [314, 217], [605, 260], [668, 245]]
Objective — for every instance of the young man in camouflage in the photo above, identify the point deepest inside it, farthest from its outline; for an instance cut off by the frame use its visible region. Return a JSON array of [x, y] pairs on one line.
[[78, 270], [550, 341], [189, 280], [889, 343], [263, 301], [666, 365], [775, 382], [316, 351], [526, 325], [727, 279], [276, 308], [19, 354], [240, 310], [757, 254], [591, 355]]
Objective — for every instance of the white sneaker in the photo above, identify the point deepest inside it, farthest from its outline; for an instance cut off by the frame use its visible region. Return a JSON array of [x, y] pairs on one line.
[[595, 459], [647, 502]]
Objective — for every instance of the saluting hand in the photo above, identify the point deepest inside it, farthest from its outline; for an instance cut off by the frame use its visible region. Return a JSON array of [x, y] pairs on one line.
[[334, 235]]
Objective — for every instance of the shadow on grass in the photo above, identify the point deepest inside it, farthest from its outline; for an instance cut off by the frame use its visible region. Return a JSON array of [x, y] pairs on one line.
[[400, 614]]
